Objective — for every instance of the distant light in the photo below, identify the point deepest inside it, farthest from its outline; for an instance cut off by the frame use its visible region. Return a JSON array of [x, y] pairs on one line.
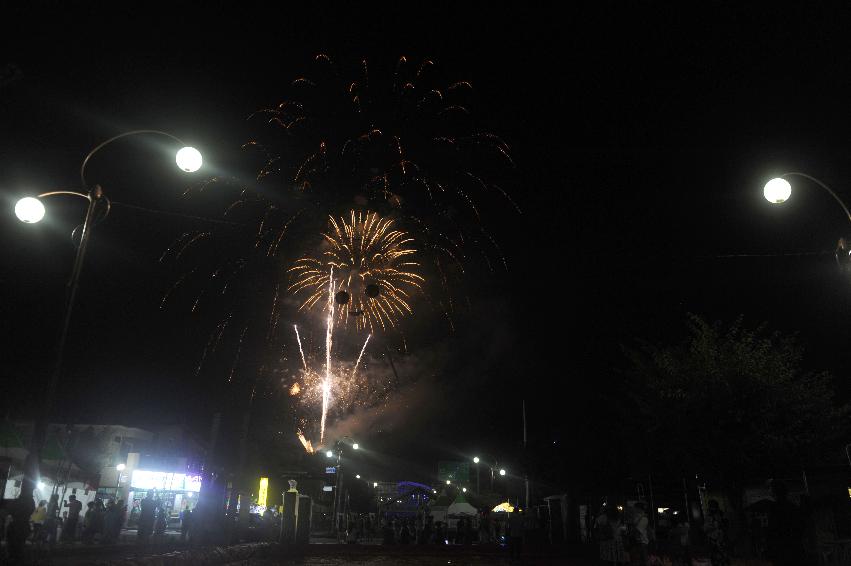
[[189, 159], [41, 485], [777, 190], [329, 454], [448, 482], [502, 472], [375, 484], [620, 507], [355, 446], [263, 491], [358, 476], [476, 460], [435, 491], [29, 210], [120, 467], [464, 489]]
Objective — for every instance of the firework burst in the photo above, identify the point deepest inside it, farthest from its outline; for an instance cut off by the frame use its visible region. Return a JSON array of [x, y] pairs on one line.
[[375, 267]]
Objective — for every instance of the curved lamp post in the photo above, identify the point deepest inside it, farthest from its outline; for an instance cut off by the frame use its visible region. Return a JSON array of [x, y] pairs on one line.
[[778, 190], [31, 210]]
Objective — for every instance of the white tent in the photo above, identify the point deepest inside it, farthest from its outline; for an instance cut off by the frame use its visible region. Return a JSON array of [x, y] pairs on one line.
[[460, 508]]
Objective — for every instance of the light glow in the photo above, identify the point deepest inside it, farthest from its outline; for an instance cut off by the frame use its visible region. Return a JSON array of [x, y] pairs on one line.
[[777, 190], [355, 446], [120, 467], [29, 210], [476, 460], [502, 472]]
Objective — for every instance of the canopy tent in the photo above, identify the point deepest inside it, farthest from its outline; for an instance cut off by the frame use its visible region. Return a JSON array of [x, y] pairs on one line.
[[460, 507]]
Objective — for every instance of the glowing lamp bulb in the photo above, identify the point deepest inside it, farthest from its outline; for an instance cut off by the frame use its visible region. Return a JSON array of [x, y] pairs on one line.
[[777, 190], [329, 454], [189, 159], [41, 485], [448, 482], [502, 472], [476, 460], [29, 210], [375, 484], [120, 467], [358, 476], [355, 446], [464, 489]]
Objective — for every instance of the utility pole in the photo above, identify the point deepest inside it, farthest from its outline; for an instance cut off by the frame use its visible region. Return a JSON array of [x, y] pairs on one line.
[[525, 457]]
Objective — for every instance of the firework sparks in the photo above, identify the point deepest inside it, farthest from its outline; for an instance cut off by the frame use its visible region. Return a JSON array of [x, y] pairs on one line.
[[308, 446], [377, 276], [295, 389]]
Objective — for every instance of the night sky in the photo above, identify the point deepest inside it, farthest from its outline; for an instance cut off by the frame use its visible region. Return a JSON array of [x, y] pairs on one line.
[[642, 138]]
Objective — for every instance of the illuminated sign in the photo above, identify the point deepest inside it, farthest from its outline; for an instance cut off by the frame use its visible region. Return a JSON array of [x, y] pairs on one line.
[[165, 481], [263, 491], [331, 470], [327, 488]]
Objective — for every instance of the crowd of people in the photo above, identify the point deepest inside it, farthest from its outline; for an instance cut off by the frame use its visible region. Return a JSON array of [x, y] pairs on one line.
[[101, 523], [627, 536]]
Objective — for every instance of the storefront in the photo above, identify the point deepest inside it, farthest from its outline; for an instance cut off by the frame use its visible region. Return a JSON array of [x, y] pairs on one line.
[[174, 490]]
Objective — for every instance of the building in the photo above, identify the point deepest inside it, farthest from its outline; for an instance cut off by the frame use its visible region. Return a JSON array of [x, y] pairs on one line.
[[105, 461]]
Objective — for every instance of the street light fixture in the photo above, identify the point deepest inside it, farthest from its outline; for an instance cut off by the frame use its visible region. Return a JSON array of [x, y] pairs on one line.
[[355, 446], [329, 454], [189, 159], [29, 210], [501, 472], [777, 190]]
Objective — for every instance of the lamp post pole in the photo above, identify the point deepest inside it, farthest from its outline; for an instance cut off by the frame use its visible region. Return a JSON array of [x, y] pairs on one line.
[[98, 207]]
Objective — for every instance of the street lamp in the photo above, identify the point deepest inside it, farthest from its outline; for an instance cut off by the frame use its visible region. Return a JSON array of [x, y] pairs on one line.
[[501, 472], [31, 210], [778, 190], [188, 159], [339, 480]]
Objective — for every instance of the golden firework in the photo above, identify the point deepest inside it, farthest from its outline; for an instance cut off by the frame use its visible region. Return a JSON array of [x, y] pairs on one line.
[[373, 270]]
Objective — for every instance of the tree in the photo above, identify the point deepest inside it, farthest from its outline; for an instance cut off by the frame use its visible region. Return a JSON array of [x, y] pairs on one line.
[[732, 404]]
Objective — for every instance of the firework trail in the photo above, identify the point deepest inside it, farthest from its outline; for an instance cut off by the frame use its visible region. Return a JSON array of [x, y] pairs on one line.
[[357, 363], [329, 333], [300, 349]]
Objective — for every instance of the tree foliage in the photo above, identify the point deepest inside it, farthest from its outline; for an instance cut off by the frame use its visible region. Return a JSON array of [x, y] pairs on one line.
[[733, 403]]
